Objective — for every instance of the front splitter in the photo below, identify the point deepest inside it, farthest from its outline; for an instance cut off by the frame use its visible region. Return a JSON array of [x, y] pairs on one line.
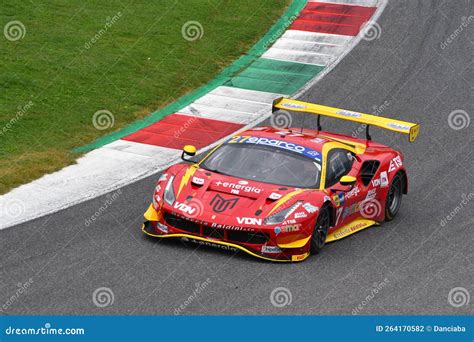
[[294, 258]]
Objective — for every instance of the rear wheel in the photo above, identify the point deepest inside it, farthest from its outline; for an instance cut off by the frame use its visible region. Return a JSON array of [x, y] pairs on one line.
[[394, 197], [320, 232]]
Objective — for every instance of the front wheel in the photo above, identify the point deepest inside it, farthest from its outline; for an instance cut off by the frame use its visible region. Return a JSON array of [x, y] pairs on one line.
[[394, 197], [320, 232]]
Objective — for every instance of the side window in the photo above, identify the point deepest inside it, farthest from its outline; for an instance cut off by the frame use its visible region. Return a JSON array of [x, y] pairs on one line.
[[368, 170], [339, 163]]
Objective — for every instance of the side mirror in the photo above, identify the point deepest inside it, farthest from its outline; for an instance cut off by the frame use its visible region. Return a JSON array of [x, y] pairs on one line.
[[189, 151], [348, 180]]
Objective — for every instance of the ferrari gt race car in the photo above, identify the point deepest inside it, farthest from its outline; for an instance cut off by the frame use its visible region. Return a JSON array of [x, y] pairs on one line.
[[281, 194]]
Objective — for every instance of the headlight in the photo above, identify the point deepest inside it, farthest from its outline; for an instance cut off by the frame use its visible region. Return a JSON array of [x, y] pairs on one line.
[[281, 216], [168, 195]]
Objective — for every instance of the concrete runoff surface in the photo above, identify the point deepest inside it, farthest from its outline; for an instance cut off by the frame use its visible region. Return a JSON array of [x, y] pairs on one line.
[[419, 69]]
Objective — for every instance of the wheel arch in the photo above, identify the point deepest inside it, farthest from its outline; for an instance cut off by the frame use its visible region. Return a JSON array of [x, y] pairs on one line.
[[405, 181]]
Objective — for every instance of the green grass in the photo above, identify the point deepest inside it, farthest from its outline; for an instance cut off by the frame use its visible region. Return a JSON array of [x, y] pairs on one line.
[[138, 65]]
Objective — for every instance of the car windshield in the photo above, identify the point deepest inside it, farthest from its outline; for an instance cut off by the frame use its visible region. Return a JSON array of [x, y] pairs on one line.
[[265, 164]]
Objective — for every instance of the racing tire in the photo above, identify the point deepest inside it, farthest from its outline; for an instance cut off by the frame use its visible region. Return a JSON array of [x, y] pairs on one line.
[[320, 232], [394, 197]]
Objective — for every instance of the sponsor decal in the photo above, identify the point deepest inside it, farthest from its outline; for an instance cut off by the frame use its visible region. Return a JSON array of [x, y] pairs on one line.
[[162, 227], [220, 204], [349, 230], [318, 140], [398, 126], [376, 182], [163, 177], [371, 194], [158, 188], [271, 249], [274, 196], [157, 199], [242, 185], [293, 105], [198, 181], [250, 220], [301, 215], [338, 199], [353, 192], [299, 257], [284, 145], [291, 228], [349, 113], [383, 179], [277, 230], [311, 208], [230, 227], [184, 208], [395, 163], [210, 244], [351, 209], [289, 221]]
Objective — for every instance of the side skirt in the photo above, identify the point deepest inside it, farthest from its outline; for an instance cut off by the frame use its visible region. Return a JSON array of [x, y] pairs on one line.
[[350, 228]]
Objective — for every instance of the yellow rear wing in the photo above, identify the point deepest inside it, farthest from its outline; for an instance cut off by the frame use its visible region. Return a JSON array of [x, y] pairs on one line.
[[412, 129]]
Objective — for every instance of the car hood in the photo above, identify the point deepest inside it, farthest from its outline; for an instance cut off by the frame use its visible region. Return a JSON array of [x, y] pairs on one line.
[[214, 195]]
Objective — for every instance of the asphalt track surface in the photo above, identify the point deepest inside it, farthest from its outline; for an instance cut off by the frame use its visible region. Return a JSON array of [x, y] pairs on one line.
[[406, 73]]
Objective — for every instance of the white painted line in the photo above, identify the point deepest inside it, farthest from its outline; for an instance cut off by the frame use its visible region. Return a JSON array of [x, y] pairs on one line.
[[96, 173], [305, 46], [245, 94], [317, 37], [229, 103], [218, 113], [298, 56]]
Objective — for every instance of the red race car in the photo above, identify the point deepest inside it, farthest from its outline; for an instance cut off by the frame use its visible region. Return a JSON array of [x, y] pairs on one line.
[[281, 194]]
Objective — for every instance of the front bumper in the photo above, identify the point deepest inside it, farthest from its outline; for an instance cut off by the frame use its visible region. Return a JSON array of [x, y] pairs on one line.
[[291, 252]]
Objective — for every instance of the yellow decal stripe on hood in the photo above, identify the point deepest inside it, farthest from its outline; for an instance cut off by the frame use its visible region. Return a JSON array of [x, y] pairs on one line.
[[284, 199], [185, 179]]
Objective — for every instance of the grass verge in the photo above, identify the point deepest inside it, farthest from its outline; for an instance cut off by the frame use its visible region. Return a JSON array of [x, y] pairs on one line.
[[72, 59]]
